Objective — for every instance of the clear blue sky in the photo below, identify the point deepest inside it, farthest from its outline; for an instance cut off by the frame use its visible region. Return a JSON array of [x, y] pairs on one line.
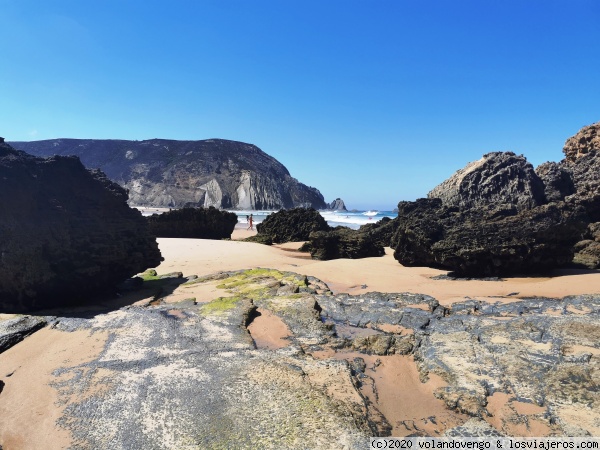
[[373, 101]]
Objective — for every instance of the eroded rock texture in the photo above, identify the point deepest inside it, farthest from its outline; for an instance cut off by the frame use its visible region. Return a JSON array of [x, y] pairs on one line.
[[587, 140], [342, 242], [65, 233], [195, 223], [168, 173], [293, 225], [499, 177], [498, 216], [487, 241]]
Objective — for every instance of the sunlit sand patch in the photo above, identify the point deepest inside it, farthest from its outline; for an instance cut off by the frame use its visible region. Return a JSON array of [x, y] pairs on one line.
[[269, 331], [516, 418], [581, 310], [398, 393], [395, 329], [579, 349], [28, 395]]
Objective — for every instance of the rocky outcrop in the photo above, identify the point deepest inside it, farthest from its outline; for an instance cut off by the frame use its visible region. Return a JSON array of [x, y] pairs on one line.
[[526, 367], [293, 225], [168, 173], [498, 216], [195, 223], [499, 177], [558, 181], [65, 233], [337, 205], [586, 141], [381, 231], [576, 178], [343, 242], [488, 241]]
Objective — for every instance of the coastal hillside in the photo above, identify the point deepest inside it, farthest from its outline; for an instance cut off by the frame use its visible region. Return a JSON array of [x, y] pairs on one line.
[[169, 173]]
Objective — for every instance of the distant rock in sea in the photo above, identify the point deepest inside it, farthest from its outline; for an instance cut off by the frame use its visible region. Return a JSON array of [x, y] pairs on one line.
[[66, 233], [497, 216], [337, 205], [168, 173]]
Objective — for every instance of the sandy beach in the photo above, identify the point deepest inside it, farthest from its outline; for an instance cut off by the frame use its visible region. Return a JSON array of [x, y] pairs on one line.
[[396, 389], [380, 274]]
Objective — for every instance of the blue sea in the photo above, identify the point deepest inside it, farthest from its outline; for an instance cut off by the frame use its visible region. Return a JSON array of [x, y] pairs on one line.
[[348, 219]]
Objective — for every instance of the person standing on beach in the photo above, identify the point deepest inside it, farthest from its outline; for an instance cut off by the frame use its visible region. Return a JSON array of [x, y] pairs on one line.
[[250, 223]]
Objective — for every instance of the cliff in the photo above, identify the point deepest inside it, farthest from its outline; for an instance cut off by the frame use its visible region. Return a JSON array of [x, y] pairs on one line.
[[168, 173], [66, 233]]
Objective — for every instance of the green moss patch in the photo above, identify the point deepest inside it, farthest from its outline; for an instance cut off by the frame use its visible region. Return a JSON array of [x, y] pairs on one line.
[[220, 305]]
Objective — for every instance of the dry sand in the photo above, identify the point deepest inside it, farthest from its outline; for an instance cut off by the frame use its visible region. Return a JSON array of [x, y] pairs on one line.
[[383, 274]]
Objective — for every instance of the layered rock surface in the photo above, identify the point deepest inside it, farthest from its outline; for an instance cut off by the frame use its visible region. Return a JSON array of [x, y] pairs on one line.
[[189, 374], [169, 173], [65, 233]]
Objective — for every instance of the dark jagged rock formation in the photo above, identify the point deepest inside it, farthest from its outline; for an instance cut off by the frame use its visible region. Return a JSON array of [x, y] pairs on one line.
[[337, 205], [498, 217], [487, 241], [65, 233], [196, 223], [168, 173], [343, 242], [558, 182], [577, 177], [381, 231], [499, 177], [292, 225]]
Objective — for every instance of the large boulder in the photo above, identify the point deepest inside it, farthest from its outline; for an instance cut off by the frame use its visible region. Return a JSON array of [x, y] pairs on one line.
[[487, 241], [343, 242], [291, 225], [66, 233], [498, 177], [195, 223]]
